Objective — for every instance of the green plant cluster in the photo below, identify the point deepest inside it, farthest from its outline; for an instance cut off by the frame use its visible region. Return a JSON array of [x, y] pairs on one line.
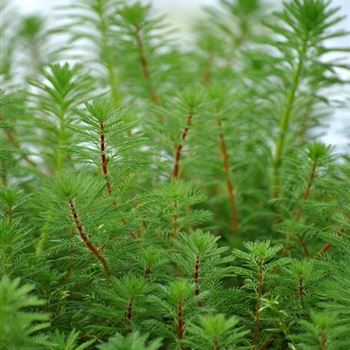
[[158, 194]]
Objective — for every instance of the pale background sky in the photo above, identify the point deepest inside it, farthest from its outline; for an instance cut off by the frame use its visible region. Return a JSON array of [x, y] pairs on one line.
[[182, 12], [179, 9]]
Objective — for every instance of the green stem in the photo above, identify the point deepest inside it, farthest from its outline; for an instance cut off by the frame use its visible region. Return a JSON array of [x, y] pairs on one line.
[[231, 190], [323, 341], [180, 323], [144, 63], [305, 120], [216, 345], [113, 82], [258, 303], [299, 213], [285, 121], [43, 239], [61, 141], [107, 60]]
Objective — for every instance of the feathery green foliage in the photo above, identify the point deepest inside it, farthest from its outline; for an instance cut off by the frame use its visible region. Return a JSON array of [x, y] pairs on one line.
[[159, 193]]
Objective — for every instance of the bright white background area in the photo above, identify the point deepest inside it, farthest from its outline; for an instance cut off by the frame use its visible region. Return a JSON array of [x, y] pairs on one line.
[[181, 14], [179, 10]]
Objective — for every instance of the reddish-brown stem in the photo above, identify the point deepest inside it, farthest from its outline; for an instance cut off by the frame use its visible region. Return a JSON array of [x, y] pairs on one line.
[[216, 345], [230, 187], [258, 301], [11, 138], [328, 245], [146, 272], [178, 150], [196, 278], [180, 321], [323, 341], [104, 163], [208, 71], [104, 166], [309, 186], [306, 196], [301, 241], [176, 169], [197, 267], [80, 229], [304, 246], [299, 213], [324, 249], [267, 342], [145, 70], [129, 314]]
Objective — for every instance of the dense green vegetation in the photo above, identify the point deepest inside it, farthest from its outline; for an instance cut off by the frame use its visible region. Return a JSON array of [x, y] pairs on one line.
[[158, 194]]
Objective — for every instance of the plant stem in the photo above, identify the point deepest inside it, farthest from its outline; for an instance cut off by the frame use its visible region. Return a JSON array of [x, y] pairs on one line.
[[175, 222], [4, 174], [327, 245], [306, 196], [44, 236], [196, 275], [176, 169], [207, 76], [267, 342], [216, 345], [305, 119], [230, 187], [299, 213], [80, 229], [308, 187], [108, 63], [113, 83], [323, 341], [104, 166], [178, 150], [146, 71], [324, 249], [146, 272], [258, 302], [129, 314], [197, 268], [12, 139], [284, 122], [61, 141], [180, 322]]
